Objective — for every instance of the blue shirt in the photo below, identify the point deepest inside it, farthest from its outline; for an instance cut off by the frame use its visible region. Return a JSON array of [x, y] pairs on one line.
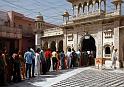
[[28, 56]]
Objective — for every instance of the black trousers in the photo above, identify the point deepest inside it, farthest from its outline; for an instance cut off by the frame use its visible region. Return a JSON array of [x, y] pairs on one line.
[[16, 73], [54, 60], [33, 67], [48, 62], [44, 66], [2, 77]]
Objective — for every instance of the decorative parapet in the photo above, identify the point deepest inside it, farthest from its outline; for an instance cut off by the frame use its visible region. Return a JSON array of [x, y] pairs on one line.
[[92, 14], [53, 32], [116, 13], [95, 15]]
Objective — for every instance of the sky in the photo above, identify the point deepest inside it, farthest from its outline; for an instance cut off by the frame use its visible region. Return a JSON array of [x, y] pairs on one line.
[[51, 10]]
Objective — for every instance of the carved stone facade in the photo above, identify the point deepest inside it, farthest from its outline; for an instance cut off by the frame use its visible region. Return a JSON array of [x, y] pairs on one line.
[[91, 28], [43, 32], [105, 28]]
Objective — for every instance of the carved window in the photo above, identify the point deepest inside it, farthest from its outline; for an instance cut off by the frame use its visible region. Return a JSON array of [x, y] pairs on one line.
[[39, 25], [107, 50], [70, 37], [108, 33]]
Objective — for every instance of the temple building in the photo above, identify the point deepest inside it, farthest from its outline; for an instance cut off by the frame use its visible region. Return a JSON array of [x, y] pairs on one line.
[[42, 31], [90, 28]]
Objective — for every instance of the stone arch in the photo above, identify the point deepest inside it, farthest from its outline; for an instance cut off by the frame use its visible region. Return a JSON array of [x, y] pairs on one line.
[[88, 49], [88, 43], [97, 1], [53, 46], [102, 4], [96, 5], [45, 45], [60, 46], [85, 7], [79, 8], [90, 5], [74, 10], [107, 49]]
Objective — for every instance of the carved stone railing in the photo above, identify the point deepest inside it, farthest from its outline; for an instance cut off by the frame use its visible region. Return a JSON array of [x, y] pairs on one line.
[[115, 13], [91, 14]]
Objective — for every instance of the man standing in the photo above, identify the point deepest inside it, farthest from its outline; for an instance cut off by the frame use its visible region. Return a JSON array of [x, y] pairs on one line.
[[43, 62], [48, 55], [79, 57], [114, 58], [62, 58], [68, 56], [28, 59], [33, 61]]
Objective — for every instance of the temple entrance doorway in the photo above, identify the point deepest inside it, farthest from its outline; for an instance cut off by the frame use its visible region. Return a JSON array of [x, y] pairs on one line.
[[88, 49]]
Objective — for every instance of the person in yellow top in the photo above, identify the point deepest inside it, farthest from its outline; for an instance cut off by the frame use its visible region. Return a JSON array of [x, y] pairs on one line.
[[54, 60]]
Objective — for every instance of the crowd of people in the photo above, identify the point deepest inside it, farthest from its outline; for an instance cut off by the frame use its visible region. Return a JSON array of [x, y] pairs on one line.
[[34, 63]]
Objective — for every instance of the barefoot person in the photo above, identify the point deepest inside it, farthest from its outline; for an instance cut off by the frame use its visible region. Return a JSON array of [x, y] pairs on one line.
[[114, 58]]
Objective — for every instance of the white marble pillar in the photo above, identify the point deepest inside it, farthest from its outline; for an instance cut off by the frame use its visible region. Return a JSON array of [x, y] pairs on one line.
[[73, 7], [99, 7], [116, 40], [93, 7], [105, 6], [119, 7], [87, 8], [76, 10], [82, 9], [56, 44], [99, 42], [65, 40], [49, 43]]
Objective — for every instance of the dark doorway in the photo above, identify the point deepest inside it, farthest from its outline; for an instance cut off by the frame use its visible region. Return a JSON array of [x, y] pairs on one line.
[[60, 48], [53, 46], [2, 44], [12, 46], [88, 49], [45, 46]]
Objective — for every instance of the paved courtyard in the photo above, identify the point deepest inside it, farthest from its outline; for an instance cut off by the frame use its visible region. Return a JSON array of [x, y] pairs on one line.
[[80, 77]]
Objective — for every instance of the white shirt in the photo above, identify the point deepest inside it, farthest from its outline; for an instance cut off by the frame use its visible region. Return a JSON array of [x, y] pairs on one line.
[[68, 55]]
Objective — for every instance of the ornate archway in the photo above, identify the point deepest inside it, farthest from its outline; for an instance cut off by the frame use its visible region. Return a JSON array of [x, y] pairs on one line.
[[45, 46], [53, 46], [88, 49], [60, 46], [88, 43]]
